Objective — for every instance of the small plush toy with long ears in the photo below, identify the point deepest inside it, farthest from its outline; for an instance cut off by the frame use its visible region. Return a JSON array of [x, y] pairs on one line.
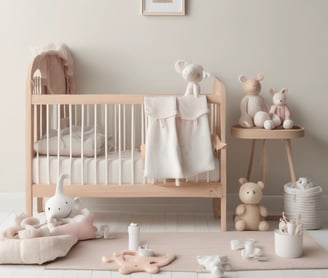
[[60, 207], [279, 110], [193, 74]]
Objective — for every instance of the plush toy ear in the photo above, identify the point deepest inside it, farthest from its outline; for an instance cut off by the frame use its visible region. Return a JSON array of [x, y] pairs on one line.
[[242, 78], [180, 65], [259, 77], [260, 184], [273, 91], [284, 91], [206, 74], [242, 181]]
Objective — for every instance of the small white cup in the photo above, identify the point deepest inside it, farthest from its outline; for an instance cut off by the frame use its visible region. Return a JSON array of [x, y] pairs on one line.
[[258, 252], [249, 247], [235, 244]]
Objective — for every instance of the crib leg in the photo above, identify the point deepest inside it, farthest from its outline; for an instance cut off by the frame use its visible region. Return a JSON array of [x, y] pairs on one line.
[[39, 205], [223, 212], [216, 207], [29, 206], [220, 211]]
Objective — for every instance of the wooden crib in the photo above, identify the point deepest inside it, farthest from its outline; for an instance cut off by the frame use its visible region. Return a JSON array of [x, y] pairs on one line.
[[116, 172]]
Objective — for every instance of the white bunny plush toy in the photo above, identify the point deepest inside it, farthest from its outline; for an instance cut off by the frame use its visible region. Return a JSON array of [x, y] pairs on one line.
[[193, 74]]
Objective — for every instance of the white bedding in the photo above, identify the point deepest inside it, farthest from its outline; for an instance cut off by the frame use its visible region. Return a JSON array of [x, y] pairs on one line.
[[91, 143], [115, 175]]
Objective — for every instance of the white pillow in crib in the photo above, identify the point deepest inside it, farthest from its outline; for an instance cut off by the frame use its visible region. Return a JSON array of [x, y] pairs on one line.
[[64, 143]]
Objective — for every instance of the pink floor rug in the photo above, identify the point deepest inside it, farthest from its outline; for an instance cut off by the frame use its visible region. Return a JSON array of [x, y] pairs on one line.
[[86, 255]]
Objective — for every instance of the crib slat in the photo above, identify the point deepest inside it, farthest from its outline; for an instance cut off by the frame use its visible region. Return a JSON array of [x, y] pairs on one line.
[[115, 128], [58, 140], [35, 138], [124, 127], [119, 146], [41, 121], [95, 144], [132, 143], [106, 142], [70, 141], [82, 139], [48, 133]]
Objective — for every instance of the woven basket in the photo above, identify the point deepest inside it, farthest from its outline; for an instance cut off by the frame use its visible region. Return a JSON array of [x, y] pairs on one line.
[[305, 202]]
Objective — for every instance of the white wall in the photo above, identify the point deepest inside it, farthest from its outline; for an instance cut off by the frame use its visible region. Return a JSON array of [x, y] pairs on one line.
[[116, 49]]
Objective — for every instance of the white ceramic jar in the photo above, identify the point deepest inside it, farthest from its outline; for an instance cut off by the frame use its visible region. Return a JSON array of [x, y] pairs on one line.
[[288, 246]]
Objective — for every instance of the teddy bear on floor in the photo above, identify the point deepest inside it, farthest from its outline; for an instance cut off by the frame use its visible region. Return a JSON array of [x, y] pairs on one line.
[[193, 74], [279, 110], [253, 109], [250, 215]]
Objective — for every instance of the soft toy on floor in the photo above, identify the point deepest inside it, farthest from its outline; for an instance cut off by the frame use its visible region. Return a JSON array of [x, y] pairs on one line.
[[253, 109], [61, 207], [193, 74], [132, 261], [279, 110], [214, 264], [26, 227], [250, 215]]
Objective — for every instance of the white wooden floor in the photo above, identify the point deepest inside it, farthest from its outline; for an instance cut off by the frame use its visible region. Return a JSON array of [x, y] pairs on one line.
[[118, 222]]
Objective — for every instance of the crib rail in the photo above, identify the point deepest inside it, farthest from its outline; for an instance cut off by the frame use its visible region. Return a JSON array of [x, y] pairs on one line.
[[215, 98]]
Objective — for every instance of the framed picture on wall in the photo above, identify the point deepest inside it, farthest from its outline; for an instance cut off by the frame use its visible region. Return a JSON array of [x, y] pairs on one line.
[[163, 7]]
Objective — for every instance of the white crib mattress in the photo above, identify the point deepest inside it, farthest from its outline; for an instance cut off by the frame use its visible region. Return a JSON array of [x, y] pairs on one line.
[[121, 169]]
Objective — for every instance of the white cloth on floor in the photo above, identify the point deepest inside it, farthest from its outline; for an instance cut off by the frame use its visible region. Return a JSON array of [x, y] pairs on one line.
[[178, 141], [194, 136], [162, 156], [213, 264]]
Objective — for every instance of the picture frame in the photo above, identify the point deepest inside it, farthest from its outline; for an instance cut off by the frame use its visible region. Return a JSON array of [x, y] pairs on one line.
[[163, 7]]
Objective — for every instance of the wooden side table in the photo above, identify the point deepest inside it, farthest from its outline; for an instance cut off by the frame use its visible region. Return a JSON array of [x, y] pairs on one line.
[[261, 135]]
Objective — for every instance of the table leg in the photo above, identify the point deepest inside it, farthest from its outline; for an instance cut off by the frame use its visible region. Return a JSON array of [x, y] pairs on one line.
[[263, 162], [288, 147], [250, 162]]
